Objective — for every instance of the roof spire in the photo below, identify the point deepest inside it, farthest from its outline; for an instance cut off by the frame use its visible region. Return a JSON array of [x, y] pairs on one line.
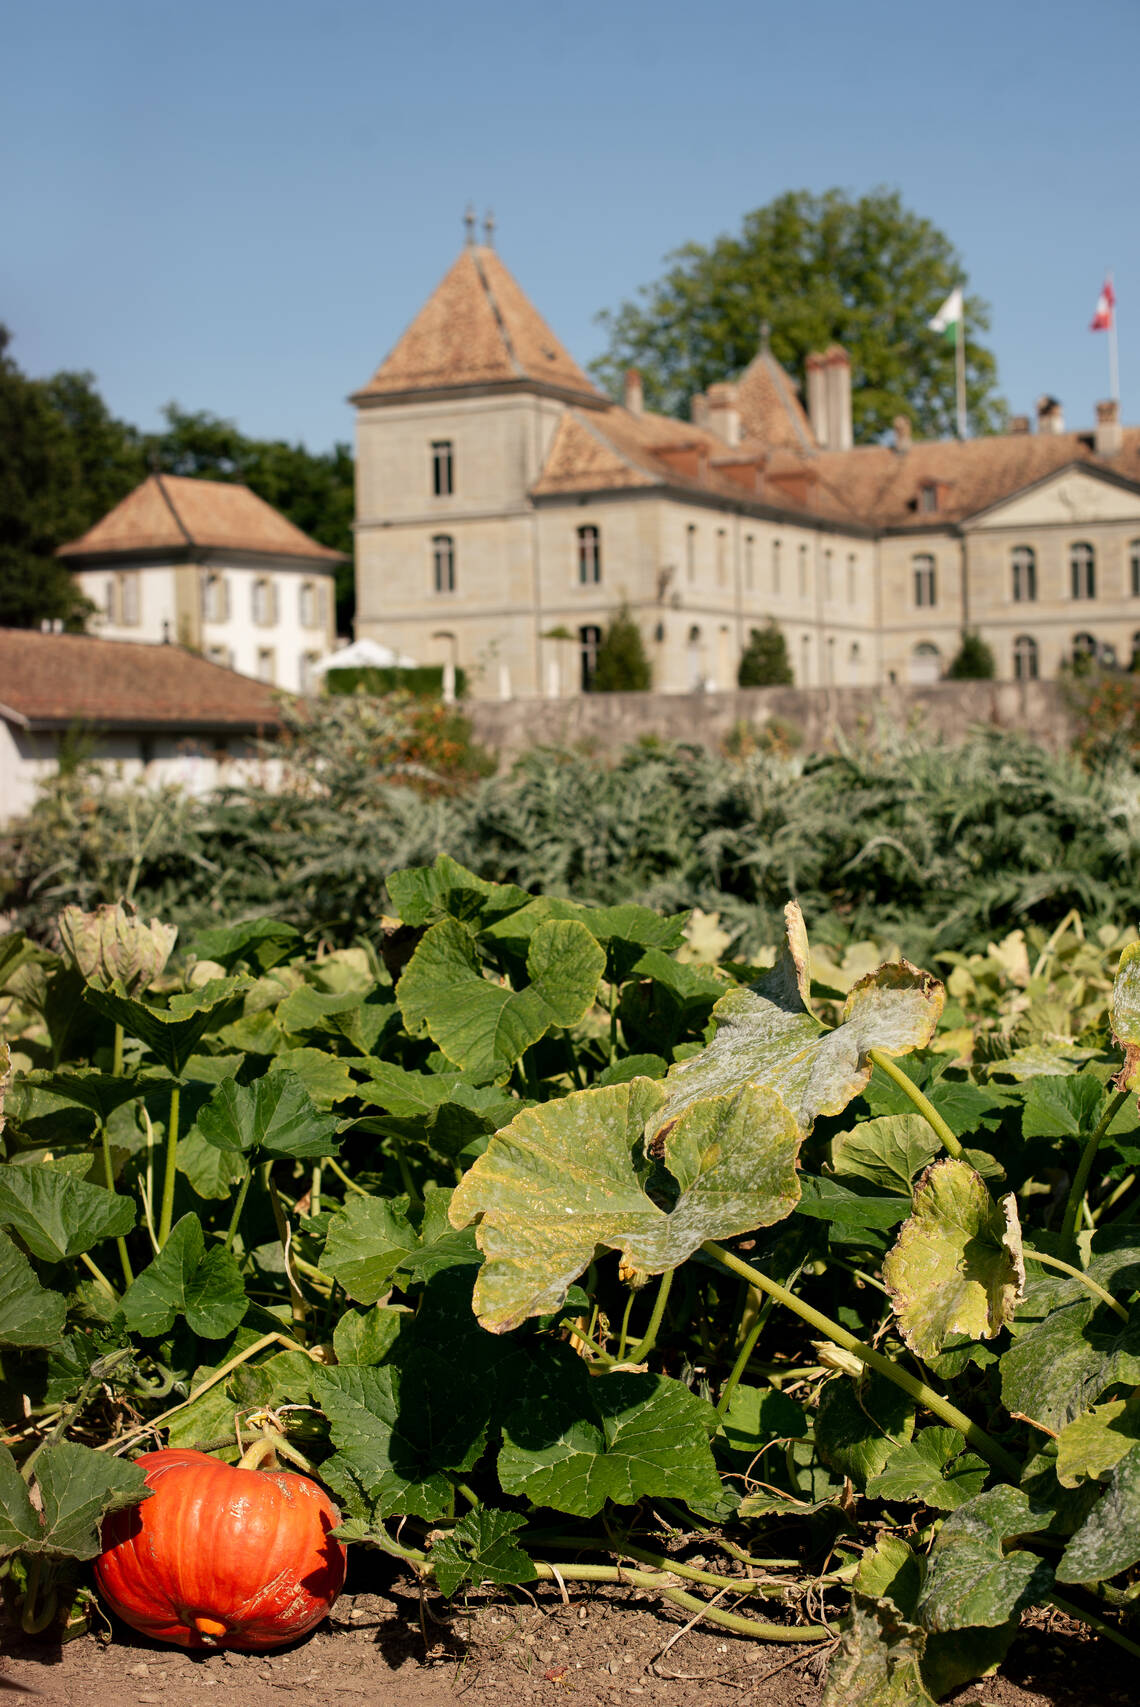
[[488, 230], [469, 225]]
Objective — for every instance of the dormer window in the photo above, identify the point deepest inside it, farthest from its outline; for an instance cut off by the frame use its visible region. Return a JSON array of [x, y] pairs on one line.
[[442, 468], [928, 498]]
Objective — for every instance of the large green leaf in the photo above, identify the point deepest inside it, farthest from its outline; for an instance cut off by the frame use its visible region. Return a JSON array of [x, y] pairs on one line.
[[172, 1033], [1109, 1539], [482, 1026], [261, 943], [957, 1266], [860, 1424], [1097, 1440], [325, 1076], [768, 1034], [85, 1087], [75, 1486], [931, 1468], [481, 1549], [57, 1215], [29, 1313], [568, 1176], [1063, 1108], [888, 1152], [573, 1442], [186, 1280], [878, 1661], [625, 931], [971, 1577], [372, 1239], [275, 1114], [421, 894]]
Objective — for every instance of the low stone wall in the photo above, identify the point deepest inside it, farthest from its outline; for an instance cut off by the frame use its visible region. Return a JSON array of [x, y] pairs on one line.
[[606, 722]]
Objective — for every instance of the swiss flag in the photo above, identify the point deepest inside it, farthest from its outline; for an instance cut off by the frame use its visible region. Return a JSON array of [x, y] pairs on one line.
[[1105, 303]]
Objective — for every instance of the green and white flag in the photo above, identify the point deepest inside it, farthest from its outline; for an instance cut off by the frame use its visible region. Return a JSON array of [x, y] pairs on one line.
[[947, 320]]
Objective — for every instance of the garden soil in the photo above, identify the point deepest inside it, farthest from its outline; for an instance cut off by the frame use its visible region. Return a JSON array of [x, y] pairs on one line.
[[609, 1647]]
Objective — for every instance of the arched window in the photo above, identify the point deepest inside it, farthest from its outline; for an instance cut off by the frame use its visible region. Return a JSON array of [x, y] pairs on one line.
[[852, 565], [775, 565], [443, 562], [1025, 658], [696, 653], [1134, 565], [924, 584], [308, 605], [691, 551], [1023, 562], [1082, 566], [828, 576], [589, 556], [1085, 650], [1134, 665], [442, 468], [589, 640], [802, 559], [721, 556], [749, 560], [925, 663], [215, 598], [264, 602]]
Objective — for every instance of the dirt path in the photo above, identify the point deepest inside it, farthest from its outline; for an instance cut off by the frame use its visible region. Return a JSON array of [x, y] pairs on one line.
[[603, 1650]]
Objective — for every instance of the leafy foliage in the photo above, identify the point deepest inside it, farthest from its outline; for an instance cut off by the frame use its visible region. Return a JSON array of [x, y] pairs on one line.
[[764, 663], [622, 666]]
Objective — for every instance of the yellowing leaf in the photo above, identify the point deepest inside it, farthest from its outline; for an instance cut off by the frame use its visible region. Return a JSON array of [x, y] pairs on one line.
[[567, 1177], [956, 1267]]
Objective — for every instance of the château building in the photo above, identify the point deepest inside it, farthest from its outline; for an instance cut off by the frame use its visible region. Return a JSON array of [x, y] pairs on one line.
[[507, 508], [213, 567]]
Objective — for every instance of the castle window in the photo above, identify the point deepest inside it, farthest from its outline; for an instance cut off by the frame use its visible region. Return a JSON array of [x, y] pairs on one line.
[[443, 562], [1023, 562], [1134, 564], [1025, 665], [215, 598], [264, 602], [589, 556], [928, 498], [442, 468], [220, 655], [266, 664], [924, 582], [802, 560], [129, 603], [109, 600], [852, 565], [749, 560], [1082, 566], [306, 671], [828, 588], [691, 551], [308, 605], [721, 556], [589, 640], [775, 565], [1085, 648]]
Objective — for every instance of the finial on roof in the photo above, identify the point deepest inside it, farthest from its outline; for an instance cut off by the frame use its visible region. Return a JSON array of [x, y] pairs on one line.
[[469, 225], [765, 338], [489, 229]]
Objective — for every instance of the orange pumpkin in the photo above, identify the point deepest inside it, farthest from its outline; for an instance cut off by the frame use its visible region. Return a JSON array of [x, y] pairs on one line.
[[221, 1556]]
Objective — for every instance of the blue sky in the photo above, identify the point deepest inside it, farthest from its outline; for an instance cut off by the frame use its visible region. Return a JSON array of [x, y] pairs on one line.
[[239, 206]]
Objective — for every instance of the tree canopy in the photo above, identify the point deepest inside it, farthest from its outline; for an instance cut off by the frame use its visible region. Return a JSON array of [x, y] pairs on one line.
[[622, 666], [67, 461], [864, 272], [764, 662]]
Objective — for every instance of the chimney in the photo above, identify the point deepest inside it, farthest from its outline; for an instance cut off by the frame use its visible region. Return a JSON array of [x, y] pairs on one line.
[[1050, 415], [634, 398], [1109, 433], [1019, 424], [724, 413], [699, 409], [817, 395], [837, 364], [901, 425]]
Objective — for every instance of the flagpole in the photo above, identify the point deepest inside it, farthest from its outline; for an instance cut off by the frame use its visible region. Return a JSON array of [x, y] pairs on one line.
[[960, 365], [1113, 361]]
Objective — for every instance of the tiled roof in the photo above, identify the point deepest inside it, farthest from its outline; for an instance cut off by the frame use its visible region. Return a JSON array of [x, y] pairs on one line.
[[170, 511], [882, 484], [64, 679], [477, 328], [770, 408]]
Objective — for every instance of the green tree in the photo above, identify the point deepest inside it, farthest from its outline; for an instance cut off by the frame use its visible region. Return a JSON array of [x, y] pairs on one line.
[[973, 661], [622, 666], [65, 461], [764, 662], [866, 273]]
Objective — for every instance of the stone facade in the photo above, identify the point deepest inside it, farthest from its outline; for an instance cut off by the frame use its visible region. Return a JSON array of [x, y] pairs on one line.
[[506, 510]]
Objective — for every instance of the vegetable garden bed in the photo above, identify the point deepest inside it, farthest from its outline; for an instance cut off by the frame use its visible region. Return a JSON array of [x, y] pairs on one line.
[[574, 1265]]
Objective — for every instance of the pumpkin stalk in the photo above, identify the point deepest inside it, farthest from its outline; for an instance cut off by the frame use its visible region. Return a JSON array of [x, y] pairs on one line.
[[34, 1620], [170, 1176], [260, 1454]]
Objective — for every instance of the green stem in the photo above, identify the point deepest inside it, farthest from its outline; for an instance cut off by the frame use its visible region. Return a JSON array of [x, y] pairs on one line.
[[652, 1581], [623, 1337], [243, 1193], [923, 1104], [1084, 1168], [121, 1442], [117, 1054], [613, 1020], [982, 1443], [625, 1550], [406, 1179], [167, 1215], [469, 1494], [1086, 1280], [1108, 1631], [334, 1167], [649, 1339], [33, 1622], [109, 1181], [99, 1275], [315, 1190], [299, 1307], [744, 1355], [591, 1345]]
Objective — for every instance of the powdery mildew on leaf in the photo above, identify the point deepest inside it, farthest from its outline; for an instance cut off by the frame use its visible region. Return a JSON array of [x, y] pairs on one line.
[[878, 1662], [768, 1034], [971, 1579], [567, 1177], [957, 1266], [1124, 1012]]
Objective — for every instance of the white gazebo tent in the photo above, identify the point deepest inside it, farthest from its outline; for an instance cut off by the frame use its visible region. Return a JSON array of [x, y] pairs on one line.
[[364, 655]]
